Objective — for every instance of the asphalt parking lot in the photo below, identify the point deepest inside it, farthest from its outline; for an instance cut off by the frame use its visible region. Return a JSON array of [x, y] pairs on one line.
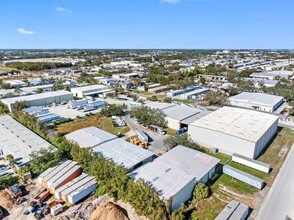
[[64, 112]]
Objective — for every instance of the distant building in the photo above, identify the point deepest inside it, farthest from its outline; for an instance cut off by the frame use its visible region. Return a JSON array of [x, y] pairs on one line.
[[235, 130], [257, 101], [93, 90], [41, 99], [272, 74], [175, 174]]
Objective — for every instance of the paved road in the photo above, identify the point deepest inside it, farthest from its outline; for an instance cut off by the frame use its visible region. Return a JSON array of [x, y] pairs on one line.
[[280, 200], [156, 144]]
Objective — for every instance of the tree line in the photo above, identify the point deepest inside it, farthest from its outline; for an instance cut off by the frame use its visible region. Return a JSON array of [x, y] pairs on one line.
[[36, 66]]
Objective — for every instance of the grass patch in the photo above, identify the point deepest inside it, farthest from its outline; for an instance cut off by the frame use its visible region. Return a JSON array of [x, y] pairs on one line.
[[83, 122], [161, 96], [284, 137], [223, 157], [170, 131], [107, 125], [233, 185], [96, 121], [208, 209], [186, 101], [249, 170]]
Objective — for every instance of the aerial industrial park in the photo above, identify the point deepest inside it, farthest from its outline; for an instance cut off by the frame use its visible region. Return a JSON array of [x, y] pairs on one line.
[[191, 131], [146, 110]]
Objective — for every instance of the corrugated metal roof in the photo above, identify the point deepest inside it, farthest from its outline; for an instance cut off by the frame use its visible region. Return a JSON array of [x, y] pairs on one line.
[[173, 170], [242, 123]]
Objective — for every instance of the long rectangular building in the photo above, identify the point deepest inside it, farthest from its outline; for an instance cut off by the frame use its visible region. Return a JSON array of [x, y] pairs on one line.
[[92, 90], [41, 99], [175, 174], [111, 147], [235, 130], [257, 101], [19, 141]]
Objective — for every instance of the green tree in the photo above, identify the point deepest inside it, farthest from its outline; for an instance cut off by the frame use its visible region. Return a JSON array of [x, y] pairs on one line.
[[201, 191], [153, 98], [11, 161], [202, 80], [19, 105], [6, 181], [112, 110], [167, 100], [39, 90]]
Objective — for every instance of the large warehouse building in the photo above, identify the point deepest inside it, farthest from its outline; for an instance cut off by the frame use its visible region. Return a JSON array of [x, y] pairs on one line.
[[257, 101], [177, 116], [235, 130], [175, 173], [17, 140], [41, 99], [94, 90], [111, 147]]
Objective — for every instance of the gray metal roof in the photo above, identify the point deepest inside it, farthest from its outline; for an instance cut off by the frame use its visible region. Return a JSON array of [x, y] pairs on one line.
[[18, 140], [36, 96], [173, 170], [180, 112], [90, 137], [233, 211], [247, 124], [256, 98], [89, 88], [123, 153]]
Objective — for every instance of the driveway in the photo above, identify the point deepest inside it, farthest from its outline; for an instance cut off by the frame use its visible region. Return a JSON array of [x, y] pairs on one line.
[[279, 202], [156, 143]]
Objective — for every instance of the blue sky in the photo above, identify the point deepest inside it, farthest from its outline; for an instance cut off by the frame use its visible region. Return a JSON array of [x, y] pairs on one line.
[[167, 24]]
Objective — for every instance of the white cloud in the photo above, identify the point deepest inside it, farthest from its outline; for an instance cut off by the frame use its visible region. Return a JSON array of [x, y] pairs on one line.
[[170, 1], [24, 31], [61, 9]]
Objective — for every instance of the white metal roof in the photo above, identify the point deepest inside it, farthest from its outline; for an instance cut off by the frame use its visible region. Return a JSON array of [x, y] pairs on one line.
[[256, 98], [122, 152], [180, 112], [89, 88], [90, 137], [36, 96], [19, 141], [242, 123], [173, 170]]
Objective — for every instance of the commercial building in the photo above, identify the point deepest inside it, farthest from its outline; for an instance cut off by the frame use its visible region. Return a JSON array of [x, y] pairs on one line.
[[235, 130], [175, 174], [124, 153], [177, 116], [195, 94], [234, 211], [94, 90], [272, 74], [173, 93], [34, 89], [90, 137], [111, 147], [257, 101], [19, 141], [41, 99]]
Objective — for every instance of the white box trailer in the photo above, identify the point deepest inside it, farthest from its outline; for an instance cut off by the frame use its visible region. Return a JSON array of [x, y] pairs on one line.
[[263, 167]]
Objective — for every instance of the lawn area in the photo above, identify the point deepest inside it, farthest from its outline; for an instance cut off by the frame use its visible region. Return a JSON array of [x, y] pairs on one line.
[[107, 125], [208, 209], [233, 185], [223, 157], [161, 96], [96, 121], [170, 131], [6, 69], [285, 137], [186, 101], [249, 170], [78, 124]]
